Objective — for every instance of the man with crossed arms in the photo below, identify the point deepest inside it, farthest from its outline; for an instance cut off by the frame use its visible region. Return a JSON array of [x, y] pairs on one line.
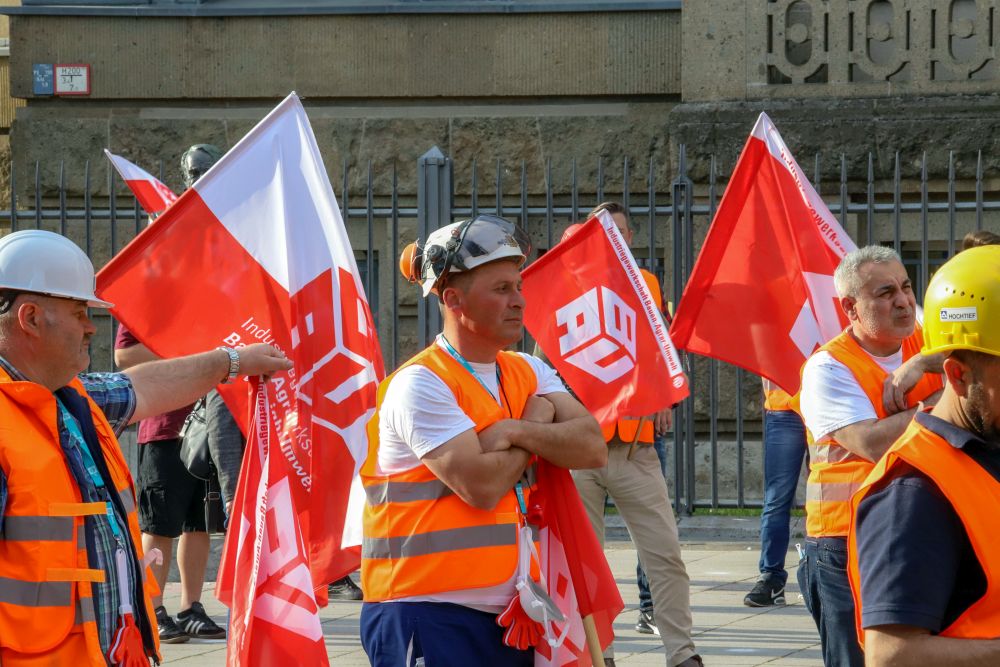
[[859, 391]]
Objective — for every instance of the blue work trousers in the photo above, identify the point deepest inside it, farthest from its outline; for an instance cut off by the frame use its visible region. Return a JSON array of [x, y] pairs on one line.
[[435, 634]]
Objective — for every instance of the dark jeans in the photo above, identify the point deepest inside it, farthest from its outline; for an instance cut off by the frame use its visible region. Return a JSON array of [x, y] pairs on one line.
[[784, 451], [435, 634], [645, 597], [826, 590]]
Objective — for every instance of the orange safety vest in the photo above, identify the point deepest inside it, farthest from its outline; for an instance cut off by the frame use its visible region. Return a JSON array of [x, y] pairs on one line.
[[835, 473], [973, 492], [626, 427], [46, 603], [420, 538], [776, 399]]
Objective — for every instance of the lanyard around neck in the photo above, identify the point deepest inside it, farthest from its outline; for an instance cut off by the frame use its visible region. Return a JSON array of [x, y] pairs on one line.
[[467, 366]]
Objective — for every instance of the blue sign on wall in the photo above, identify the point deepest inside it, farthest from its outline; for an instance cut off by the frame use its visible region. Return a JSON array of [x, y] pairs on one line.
[[42, 79]]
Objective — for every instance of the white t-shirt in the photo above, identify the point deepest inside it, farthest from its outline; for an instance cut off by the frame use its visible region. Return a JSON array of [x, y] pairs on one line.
[[831, 396], [419, 414]]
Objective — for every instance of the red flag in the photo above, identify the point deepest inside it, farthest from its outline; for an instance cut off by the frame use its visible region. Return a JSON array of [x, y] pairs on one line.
[[257, 251], [153, 195], [761, 294], [275, 619], [590, 310], [575, 569]]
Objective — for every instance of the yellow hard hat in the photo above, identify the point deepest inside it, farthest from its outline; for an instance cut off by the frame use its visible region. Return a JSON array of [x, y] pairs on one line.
[[962, 306]]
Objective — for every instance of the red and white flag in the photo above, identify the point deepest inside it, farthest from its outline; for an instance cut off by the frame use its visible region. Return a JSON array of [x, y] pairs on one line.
[[761, 293], [152, 194], [591, 312], [274, 618], [575, 570], [257, 251]]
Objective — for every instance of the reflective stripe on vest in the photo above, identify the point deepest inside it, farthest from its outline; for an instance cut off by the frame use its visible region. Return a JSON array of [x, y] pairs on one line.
[[406, 492], [973, 493], [35, 593], [41, 528], [421, 538], [45, 574], [828, 510]]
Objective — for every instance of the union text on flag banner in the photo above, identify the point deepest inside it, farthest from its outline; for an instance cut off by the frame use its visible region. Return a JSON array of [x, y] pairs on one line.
[[255, 252], [761, 293], [152, 194], [590, 310], [575, 569], [275, 619]]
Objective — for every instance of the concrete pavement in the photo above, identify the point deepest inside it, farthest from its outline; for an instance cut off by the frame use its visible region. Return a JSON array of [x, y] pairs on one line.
[[726, 632]]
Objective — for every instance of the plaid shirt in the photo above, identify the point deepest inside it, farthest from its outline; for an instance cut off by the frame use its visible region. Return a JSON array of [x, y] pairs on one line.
[[113, 393]]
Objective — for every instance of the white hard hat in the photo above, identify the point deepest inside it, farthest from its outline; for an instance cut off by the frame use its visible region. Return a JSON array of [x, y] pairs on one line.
[[35, 260], [462, 246]]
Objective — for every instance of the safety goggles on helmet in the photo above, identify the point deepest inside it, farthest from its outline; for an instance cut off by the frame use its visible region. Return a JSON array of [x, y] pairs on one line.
[[962, 306], [463, 246]]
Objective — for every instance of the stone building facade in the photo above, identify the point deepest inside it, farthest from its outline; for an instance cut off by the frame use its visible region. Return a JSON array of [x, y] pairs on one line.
[[566, 88]]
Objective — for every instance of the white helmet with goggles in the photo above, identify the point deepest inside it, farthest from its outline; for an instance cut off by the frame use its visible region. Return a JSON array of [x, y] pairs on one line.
[[463, 246]]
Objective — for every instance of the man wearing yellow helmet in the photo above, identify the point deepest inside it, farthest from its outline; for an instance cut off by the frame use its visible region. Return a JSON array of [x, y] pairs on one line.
[[924, 558]]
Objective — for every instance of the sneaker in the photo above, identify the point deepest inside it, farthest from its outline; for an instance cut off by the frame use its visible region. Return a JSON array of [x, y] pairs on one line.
[[647, 624], [196, 623], [344, 589], [765, 593], [168, 630], [609, 662], [693, 661]]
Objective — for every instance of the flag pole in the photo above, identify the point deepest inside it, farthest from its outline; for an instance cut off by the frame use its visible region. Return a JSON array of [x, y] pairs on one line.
[[593, 641], [635, 438]]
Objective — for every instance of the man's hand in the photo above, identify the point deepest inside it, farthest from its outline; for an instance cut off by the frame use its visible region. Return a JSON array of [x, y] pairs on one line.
[[662, 421], [904, 378], [262, 359], [498, 436]]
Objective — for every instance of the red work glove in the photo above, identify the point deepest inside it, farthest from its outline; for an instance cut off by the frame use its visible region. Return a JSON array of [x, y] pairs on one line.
[[523, 632], [127, 649]]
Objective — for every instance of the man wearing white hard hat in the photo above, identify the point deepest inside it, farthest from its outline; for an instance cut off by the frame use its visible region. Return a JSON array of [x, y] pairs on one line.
[[449, 461], [71, 562]]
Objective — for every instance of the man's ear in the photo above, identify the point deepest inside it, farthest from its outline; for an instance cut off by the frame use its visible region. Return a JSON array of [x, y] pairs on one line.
[[451, 298], [958, 375], [30, 316], [847, 304]]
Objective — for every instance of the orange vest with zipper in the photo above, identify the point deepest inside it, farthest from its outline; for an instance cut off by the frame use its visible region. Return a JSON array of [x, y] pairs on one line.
[[45, 575], [973, 493], [835, 473], [420, 538]]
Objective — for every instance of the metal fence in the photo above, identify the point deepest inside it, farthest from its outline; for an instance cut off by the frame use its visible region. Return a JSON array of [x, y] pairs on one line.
[[715, 452]]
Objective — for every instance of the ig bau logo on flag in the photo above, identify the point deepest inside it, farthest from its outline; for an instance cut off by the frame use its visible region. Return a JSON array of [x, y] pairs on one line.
[[600, 334]]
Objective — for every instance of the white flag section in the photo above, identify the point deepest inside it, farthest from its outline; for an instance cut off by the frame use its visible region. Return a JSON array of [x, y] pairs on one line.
[[153, 195], [255, 252]]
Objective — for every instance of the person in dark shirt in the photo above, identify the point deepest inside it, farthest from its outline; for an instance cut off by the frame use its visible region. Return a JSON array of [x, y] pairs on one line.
[[925, 520]]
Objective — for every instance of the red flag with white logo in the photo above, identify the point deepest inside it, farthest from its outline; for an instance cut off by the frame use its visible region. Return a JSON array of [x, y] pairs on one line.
[[255, 252], [154, 197], [591, 312], [575, 570], [275, 618], [761, 293]]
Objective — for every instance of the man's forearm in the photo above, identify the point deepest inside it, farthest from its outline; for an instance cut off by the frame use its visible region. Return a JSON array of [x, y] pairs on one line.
[[904, 647], [162, 386], [576, 443], [871, 439]]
